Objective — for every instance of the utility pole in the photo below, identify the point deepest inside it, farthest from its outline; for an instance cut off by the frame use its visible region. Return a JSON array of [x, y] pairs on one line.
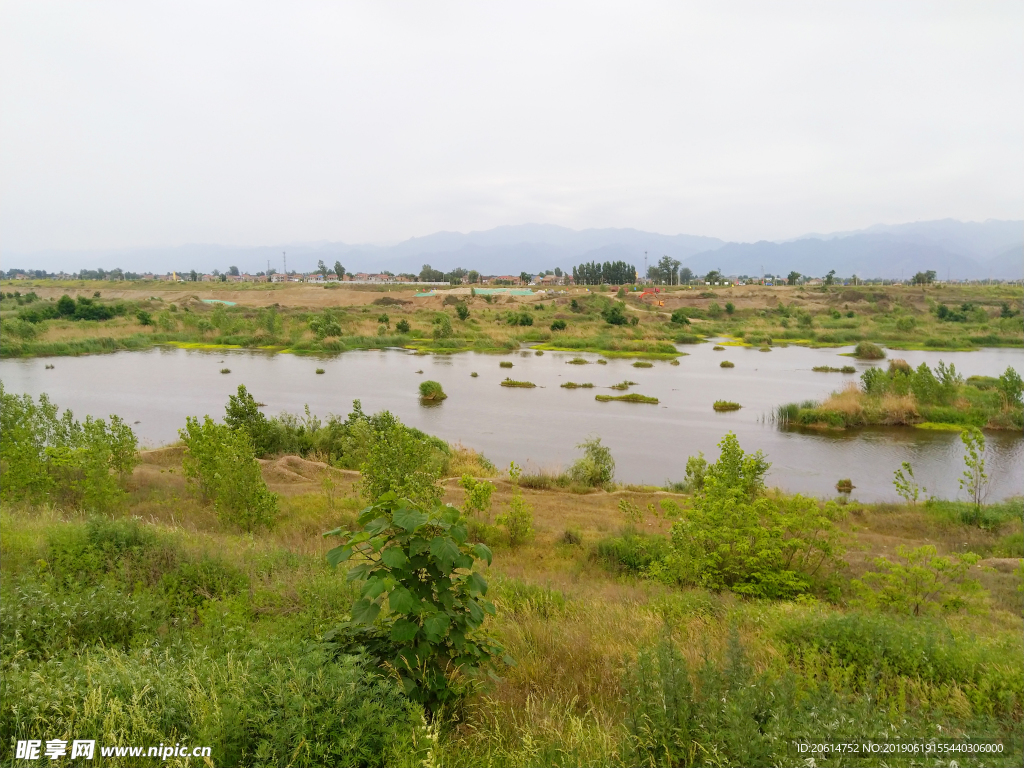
[[284, 255], [646, 273]]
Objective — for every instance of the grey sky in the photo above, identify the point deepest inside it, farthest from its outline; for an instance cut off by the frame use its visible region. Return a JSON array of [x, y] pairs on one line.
[[244, 123]]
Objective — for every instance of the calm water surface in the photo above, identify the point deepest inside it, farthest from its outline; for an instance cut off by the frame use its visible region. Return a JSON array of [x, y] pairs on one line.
[[540, 427]]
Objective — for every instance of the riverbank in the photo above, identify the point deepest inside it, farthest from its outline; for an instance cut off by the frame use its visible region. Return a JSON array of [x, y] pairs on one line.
[[169, 606], [313, 319]]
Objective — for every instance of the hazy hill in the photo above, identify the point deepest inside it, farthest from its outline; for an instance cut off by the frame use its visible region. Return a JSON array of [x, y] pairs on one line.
[[957, 249]]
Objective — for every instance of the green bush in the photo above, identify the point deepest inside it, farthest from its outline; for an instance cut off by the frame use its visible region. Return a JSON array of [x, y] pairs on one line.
[[919, 581], [431, 390], [83, 465], [517, 518], [416, 558], [558, 325], [398, 460], [868, 351], [596, 468], [221, 464], [274, 702]]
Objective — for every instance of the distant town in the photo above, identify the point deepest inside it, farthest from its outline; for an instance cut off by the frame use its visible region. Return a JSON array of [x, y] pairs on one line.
[[666, 272]]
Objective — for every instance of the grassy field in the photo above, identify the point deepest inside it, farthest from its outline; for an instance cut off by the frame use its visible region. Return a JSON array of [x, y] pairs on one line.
[[314, 319], [160, 623]]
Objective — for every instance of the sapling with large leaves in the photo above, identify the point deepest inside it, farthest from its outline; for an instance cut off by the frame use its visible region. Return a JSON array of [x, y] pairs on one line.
[[419, 587]]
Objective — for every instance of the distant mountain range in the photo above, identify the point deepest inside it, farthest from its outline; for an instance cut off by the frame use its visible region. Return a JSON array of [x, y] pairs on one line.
[[954, 249]]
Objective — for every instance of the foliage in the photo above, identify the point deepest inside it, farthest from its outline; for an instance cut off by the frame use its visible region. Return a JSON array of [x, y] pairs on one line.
[[679, 317], [595, 273], [243, 412], [45, 456], [462, 311], [1011, 386], [736, 538], [865, 350], [398, 461], [615, 314], [596, 468], [322, 325], [402, 326], [631, 512], [478, 496], [906, 484], [919, 581], [509, 382], [726, 364], [974, 479], [431, 390], [415, 557], [696, 471], [726, 405], [442, 327], [558, 325], [518, 517], [221, 463]]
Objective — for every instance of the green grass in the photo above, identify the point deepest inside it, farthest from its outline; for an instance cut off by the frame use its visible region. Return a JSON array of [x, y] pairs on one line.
[[630, 398], [574, 385], [521, 384], [726, 405]]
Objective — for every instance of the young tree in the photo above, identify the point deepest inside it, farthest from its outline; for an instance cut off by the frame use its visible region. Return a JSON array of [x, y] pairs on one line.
[[518, 516], [321, 268], [243, 413], [415, 558], [399, 462], [220, 461], [974, 479], [920, 581], [906, 484], [339, 270], [597, 467], [462, 311]]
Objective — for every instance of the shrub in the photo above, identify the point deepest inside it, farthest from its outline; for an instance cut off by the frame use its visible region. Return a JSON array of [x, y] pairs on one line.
[[220, 461], [596, 468], [431, 390], [402, 326], [574, 385], [679, 317], [558, 325], [737, 539], [518, 516], [320, 371], [726, 364], [81, 464], [478, 496], [845, 485], [416, 558], [400, 461], [726, 405], [243, 412], [865, 350], [615, 314], [442, 327], [919, 581], [633, 552], [462, 311]]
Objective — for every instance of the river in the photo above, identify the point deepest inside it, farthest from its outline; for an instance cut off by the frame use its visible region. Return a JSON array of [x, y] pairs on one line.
[[155, 390]]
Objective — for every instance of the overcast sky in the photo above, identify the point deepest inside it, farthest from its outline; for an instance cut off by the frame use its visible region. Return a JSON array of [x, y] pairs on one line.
[[248, 123]]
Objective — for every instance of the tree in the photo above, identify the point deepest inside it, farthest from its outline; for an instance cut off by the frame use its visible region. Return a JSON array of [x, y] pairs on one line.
[[233, 271], [518, 516], [1011, 387], [685, 275], [925, 278], [525, 277], [793, 278], [919, 581], [321, 268], [597, 467], [339, 270], [193, 276], [472, 276], [402, 326], [478, 496], [220, 461], [974, 479], [415, 557], [430, 275], [830, 277], [462, 311], [906, 484], [714, 276], [398, 461], [558, 272], [243, 413]]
